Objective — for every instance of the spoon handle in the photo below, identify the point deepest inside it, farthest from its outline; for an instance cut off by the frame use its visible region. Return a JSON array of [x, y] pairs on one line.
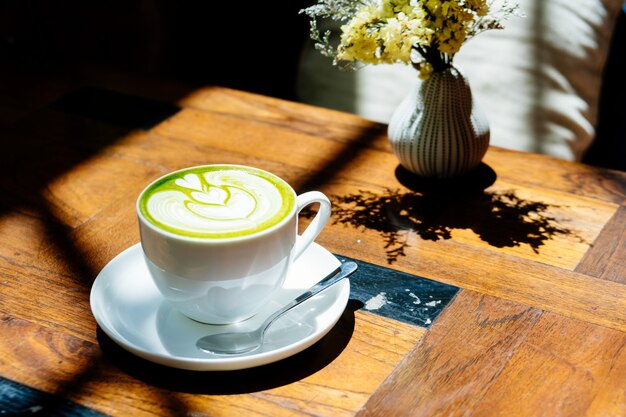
[[346, 269]]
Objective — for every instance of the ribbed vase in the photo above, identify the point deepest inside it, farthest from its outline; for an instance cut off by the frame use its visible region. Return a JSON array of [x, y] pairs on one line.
[[437, 130]]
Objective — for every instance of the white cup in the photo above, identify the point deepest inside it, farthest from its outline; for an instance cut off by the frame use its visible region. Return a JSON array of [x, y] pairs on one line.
[[227, 279]]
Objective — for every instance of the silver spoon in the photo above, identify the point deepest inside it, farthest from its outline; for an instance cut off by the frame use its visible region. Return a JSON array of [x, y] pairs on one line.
[[235, 343]]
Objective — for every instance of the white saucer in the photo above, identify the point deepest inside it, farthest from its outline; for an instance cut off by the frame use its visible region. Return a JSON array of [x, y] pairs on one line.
[[128, 307]]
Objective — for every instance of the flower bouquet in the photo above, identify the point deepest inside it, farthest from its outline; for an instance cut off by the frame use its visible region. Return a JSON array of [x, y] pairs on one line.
[[424, 33], [438, 130]]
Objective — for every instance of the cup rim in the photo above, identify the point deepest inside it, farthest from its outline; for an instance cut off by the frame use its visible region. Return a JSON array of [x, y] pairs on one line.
[[217, 240]]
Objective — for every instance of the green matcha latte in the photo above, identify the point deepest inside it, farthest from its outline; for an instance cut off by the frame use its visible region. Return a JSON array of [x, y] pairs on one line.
[[217, 201]]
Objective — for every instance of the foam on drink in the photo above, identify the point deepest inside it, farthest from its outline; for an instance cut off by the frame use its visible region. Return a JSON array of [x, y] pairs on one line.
[[217, 201]]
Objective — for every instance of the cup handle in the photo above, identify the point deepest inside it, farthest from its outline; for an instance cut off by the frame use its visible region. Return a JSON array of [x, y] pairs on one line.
[[319, 222]]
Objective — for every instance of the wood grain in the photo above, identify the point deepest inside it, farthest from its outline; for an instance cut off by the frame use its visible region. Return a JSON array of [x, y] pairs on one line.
[[577, 356], [117, 383], [607, 258], [532, 283], [581, 180], [485, 357], [537, 245]]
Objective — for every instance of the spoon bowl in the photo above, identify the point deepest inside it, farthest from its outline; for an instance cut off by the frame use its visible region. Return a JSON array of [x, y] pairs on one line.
[[238, 343]]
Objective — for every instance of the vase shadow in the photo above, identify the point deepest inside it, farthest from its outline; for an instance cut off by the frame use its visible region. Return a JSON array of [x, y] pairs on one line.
[[475, 181], [434, 208]]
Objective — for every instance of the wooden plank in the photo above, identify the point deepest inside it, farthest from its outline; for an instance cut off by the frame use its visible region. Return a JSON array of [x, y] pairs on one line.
[[606, 259], [561, 369], [452, 367], [47, 269], [44, 277], [583, 180], [71, 175], [48, 300], [610, 400], [550, 227], [281, 114], [82, 191], [334, 378], [486, 356], [166, 154], [501, 275], [265, 141]]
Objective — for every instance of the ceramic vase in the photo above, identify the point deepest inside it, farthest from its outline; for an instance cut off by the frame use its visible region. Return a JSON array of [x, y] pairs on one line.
[[438, 131]]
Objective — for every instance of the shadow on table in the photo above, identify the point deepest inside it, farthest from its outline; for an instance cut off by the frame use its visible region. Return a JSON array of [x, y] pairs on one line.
[[243, 381], [434, 208]]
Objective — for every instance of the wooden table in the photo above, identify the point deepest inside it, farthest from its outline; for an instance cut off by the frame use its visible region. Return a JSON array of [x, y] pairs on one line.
[[531, 249]]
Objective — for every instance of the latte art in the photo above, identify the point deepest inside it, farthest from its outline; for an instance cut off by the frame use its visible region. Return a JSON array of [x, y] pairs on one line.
[[217, 201]]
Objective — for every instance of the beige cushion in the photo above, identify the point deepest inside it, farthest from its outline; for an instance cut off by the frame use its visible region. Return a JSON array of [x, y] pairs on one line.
[[538, 80]]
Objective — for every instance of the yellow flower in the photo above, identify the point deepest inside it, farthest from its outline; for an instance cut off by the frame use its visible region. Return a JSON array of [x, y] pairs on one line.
[[425, 33], [480, 7], [425, 69]]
